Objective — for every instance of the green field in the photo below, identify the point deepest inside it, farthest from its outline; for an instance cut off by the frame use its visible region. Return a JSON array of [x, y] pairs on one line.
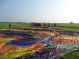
[[67, 26], [72, 55], [5, 25], [63, 26]]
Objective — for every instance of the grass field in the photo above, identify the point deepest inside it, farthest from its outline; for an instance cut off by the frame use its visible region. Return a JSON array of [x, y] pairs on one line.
[[5, 25], [72, 55], [64, 26], [67, 26]]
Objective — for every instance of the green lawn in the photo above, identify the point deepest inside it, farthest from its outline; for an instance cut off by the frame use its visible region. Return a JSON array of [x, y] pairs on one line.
[[68, 29], [5, 25], [72, 55], [63, 26], [67, 26]]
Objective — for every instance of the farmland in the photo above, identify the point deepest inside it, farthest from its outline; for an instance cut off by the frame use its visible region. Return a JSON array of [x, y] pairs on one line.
[[63, 26], [23, 40], [71, 27], [5, 25]]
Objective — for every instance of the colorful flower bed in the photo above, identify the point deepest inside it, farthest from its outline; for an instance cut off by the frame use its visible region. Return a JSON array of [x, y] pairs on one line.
[[34, 44], [16, 43]]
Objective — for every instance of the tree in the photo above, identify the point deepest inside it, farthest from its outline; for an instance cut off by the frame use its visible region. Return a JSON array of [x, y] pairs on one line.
[[9, 26], [55, 25], [71, 22]]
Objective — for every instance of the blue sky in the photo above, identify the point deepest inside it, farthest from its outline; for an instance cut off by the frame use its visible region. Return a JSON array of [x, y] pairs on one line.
[[39, 11]]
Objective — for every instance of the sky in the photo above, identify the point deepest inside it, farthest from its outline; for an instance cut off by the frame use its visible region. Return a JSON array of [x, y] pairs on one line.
[[52, 11]]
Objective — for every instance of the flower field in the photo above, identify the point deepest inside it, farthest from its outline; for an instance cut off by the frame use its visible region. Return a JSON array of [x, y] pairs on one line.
[[35, 44]]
